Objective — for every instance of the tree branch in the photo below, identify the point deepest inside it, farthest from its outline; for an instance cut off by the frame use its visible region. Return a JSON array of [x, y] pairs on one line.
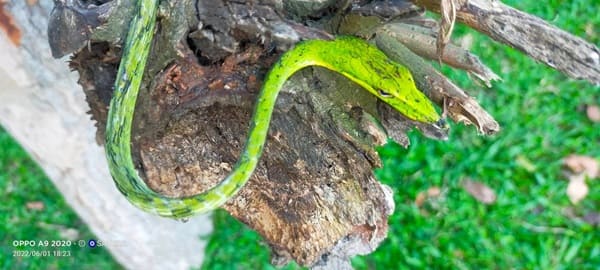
[[535, 37]]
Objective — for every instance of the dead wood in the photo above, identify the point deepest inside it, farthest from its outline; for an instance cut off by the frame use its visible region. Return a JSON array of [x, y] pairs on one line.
[[535, 37]]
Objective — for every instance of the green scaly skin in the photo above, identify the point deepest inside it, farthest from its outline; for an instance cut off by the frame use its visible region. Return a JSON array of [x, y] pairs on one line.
[[350, 56]]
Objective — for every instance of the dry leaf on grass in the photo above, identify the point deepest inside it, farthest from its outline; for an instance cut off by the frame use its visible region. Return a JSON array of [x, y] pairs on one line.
[[35, 205], [431, 192], [579, 168], [577, 190], [584, 165], [479, 191], [593, 113], [420, 199]]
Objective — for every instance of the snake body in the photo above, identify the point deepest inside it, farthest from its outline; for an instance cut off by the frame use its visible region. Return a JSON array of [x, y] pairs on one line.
[[350, 56]]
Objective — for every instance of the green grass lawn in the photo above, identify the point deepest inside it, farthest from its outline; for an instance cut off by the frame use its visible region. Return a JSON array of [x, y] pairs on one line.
[[532, 224], [32, 209]]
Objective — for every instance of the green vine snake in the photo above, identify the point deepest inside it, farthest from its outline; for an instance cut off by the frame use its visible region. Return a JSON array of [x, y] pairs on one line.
[[353, 57]]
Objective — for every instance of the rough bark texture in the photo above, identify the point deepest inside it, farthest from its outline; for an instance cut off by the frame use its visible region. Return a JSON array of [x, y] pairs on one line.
[[42, 106], [313, 197]]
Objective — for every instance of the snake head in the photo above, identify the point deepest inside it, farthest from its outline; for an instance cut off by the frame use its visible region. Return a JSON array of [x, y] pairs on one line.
[[397, 88], [391, 82]]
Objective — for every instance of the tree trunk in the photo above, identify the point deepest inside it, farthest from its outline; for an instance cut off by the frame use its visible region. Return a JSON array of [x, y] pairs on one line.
[[45, 110]]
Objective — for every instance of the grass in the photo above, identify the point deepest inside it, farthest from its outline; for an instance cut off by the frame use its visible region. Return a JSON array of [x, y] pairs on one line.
[[48, 218], [532, 225]]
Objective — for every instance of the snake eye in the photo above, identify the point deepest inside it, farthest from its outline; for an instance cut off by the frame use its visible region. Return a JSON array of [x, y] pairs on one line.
[[383, 93], [442, 124]]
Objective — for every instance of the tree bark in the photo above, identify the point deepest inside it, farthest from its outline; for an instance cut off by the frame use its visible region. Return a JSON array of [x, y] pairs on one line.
[[45, 110]]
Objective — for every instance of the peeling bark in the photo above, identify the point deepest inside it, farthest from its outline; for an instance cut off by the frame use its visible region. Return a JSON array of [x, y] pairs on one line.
[[422, 41], [535, 37]]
